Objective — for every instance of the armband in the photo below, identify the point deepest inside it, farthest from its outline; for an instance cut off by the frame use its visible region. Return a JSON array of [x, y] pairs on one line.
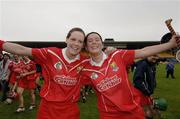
[[1, 44]]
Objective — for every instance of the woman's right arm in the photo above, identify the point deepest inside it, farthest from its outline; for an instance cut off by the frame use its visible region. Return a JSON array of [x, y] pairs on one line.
[[15, 48]]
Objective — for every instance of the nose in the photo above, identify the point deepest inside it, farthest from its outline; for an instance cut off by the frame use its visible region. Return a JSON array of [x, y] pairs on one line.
[[76, 43], [93, 42]]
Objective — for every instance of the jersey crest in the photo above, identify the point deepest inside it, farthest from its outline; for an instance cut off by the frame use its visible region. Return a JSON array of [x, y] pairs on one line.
[[58, 65], [114, 66], [94, 76]]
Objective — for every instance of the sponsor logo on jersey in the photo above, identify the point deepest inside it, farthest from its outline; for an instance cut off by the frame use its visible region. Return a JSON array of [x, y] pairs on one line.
[[108, 83], [65, 80], [58, 65], [114, 66], [94, 76]]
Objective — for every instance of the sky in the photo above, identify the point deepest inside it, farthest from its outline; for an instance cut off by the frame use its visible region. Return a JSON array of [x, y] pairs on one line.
[[122, 20]]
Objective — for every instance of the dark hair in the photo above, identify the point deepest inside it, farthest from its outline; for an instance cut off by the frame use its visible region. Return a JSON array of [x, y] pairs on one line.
[[6, 54], [166, 38], [85, 40], [75, 29]]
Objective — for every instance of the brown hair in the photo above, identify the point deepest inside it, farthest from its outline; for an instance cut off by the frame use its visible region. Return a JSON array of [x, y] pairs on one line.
[[75, 29], [85, 40]]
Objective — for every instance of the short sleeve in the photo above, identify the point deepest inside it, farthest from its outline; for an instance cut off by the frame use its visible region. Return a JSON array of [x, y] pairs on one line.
[[127, 56], [40, 55]]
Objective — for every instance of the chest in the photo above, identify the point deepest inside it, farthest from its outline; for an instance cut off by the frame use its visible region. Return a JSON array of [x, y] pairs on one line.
[[58, 66], [108, 76]]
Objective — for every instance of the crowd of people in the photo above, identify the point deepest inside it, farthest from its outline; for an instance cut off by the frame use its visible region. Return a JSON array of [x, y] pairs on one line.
[[66, 70], [17, 74]]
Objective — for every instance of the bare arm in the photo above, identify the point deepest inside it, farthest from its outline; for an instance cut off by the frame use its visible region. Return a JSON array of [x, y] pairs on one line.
[[14, 86], [27, 73], [16, 49], [155, 49]]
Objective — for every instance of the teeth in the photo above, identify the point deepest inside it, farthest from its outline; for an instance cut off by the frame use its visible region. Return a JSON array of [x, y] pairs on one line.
[[75, 48], [94, 47]]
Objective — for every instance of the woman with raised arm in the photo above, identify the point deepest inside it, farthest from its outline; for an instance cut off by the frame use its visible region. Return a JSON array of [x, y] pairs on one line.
[[108, 76], [60, 69]]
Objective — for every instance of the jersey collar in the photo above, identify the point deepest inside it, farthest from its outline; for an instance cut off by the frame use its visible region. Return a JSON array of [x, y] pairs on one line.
[[93, 63], [27, 62]]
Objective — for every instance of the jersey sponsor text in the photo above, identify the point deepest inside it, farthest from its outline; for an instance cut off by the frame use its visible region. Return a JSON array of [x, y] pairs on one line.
[[108, 83]]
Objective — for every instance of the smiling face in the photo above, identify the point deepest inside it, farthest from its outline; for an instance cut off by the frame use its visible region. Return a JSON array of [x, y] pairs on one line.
[[6, 57], [75, 42], [94, 44], [25, 58], [16, 58], [153, 58]]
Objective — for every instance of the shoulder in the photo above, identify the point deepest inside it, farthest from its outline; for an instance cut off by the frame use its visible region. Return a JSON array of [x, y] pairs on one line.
[[46, 49], [124, 52], [55, 49]]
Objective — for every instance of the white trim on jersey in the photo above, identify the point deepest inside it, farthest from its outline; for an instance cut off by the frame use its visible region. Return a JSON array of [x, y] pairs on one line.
[[104, 103], [130, 89], [49, 82], [67, 59], [125, 51], [44, 57], [78, 64], [91, 70], [27, 61], [93, 63], [53, 53], [14, 62], [111, 59]]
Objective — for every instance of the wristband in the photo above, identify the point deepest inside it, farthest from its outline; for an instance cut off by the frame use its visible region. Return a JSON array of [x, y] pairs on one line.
[[1, 44]]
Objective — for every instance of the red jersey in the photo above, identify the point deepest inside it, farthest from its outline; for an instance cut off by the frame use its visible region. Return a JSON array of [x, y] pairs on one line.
[[16, 69], [28, 67], [16, 66], [61, 78], [110, 80]]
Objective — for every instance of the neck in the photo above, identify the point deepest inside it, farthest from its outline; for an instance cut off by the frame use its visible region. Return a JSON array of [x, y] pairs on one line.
[[69, 56], [97, 57]]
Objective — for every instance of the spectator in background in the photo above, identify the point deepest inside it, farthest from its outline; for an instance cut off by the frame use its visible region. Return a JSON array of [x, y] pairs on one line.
[[4, 75], [144, 80], [1, 59], [15, 68], [170, 70], [38, 77], [26, 80]]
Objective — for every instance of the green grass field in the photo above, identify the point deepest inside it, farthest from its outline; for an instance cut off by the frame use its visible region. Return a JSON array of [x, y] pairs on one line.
[[168, 89]]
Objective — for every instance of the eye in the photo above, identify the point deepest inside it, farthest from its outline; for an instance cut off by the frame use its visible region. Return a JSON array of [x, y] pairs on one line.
[[80, 41], [98, 39], [90, 40], [73, 39]]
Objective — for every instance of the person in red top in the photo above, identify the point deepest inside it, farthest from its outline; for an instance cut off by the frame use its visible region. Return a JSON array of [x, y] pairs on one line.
[[108, 76], [60, 69], [15, 68], [26, 80]]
